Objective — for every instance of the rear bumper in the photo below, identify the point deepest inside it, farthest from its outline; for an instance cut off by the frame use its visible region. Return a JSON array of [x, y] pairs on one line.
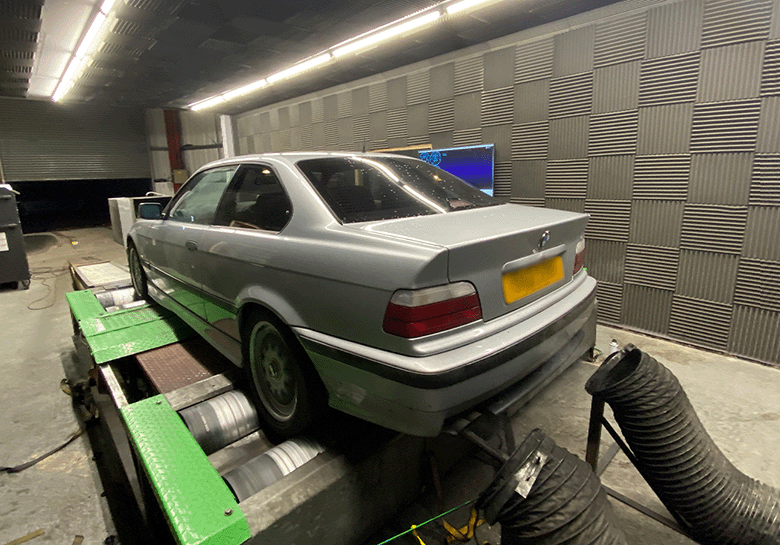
[[505, 369]]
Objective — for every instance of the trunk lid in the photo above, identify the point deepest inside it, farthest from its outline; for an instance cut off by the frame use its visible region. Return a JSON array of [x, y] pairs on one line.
[[499, 248]]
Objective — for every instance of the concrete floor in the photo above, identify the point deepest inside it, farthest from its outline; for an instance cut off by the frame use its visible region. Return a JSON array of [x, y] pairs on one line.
[[738, 402]]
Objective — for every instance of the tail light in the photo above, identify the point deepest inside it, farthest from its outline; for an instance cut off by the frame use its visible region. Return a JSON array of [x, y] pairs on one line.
[[414, 313], [579, 256]]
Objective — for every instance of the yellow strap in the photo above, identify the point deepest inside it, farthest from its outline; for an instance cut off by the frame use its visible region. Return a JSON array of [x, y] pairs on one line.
[[465, 533], [414, 532]]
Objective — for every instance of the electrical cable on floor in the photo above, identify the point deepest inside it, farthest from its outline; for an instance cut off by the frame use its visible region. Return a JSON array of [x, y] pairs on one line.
[[44, 274], [16, 469]]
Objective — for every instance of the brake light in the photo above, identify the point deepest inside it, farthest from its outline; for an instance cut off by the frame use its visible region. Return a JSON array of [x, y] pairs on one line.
[[414, 313], [579, 256]]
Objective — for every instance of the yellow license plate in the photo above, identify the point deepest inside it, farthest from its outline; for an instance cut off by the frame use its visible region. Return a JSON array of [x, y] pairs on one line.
[[524, 282]]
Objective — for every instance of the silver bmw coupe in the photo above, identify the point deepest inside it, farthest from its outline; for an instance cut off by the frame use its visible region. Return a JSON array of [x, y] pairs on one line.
[[377, 284]]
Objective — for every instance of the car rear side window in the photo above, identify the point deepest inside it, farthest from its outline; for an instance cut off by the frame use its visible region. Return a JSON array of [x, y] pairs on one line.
[[255, 200], [379, 188], [198, 200]]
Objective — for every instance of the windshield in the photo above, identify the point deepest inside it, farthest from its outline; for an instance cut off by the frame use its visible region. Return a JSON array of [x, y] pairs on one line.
[[380, 188]]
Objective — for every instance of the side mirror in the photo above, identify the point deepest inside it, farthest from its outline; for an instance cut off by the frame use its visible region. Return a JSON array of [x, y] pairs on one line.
[[149, 211]]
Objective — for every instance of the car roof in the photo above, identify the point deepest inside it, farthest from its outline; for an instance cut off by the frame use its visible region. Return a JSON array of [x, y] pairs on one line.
[[293, 157]]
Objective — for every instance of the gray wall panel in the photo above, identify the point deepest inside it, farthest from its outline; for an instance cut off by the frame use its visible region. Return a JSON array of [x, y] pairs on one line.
[[770, 81], [360, 101], [468, 75], [467, 137], [284, 118], [733, 21], [646, 308], [720, 178], [755, 333], [534, 60], [346, 133], [499, 68], [441, 115], [274, 120], [529, 180], [397, 123], [669, 80], [361, 128], [730, 72], [705, 323], [396, 93], [317, 110], [774, 27], [619, 41], [610, 297], [713, 228], [609, 220], [344, 102], [442, 83], [757, 284], [571, 95], [502, 186], [616, 87], [707, 275], [330, 105], [377, 97], [665, 129], [501, 136], [441, 139], [569, 138], [674, 28], [497, 106], [318, 135], [765, 185], [769, 126], [418, 88], [378, 123], [418, 120], [530, 141], [610, 178], [613, 133], [572, 205], [657, 223], [295, 115], [761, 233], [725, 126], [605, 260], [661, 177], [305, 115], [567, 179], [652, 266], [532, 101], [467, 111], [574, 51]]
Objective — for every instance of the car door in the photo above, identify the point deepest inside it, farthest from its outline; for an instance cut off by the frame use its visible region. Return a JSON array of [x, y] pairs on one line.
[[239, 250], [177, 244]]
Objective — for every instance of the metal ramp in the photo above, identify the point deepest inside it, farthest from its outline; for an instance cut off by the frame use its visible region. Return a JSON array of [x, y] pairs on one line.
[[159, 374]]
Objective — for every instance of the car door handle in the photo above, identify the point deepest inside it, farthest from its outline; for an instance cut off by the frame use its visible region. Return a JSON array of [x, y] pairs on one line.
[[191, 245]]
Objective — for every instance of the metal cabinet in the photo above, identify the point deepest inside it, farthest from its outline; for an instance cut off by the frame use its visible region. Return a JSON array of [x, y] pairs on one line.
[[13, 257]]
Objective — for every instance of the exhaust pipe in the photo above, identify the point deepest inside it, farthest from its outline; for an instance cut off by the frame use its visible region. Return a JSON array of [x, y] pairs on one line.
[[545, 495], [709, 497]]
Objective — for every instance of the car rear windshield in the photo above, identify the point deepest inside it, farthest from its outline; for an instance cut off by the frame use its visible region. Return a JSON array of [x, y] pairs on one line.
[[380, 188]]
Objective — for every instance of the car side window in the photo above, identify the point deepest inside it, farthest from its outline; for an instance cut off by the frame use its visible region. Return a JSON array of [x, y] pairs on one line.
[[255, 200], [198, 202]]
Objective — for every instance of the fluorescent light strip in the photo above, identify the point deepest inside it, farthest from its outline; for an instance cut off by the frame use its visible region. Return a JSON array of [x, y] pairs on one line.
[[387, 34], [77, 62], [361, 42], [464, 5]]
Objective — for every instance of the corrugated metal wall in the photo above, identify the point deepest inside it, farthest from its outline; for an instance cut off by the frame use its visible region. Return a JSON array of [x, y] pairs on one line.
[[662, 122], [44, 141]]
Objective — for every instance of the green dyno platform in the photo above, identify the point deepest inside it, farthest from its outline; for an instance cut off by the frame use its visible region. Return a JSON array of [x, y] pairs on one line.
[[114, 335], [198, 504]]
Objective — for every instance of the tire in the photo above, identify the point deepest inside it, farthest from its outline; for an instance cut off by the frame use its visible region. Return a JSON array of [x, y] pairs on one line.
[[287, 390], [137, 274]]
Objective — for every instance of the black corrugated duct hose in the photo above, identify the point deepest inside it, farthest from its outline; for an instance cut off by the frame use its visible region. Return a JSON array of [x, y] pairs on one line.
[[566, 502], [710, 498]]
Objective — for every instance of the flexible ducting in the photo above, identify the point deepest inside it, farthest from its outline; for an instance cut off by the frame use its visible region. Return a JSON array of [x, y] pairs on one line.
[[566, 502], [710, 498]]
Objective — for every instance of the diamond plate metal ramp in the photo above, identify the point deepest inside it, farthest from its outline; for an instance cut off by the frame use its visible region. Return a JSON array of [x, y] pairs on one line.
[[114, 335], [197, 503]]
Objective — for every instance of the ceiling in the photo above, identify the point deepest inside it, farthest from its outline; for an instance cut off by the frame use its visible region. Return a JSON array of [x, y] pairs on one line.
[[171, 53]]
